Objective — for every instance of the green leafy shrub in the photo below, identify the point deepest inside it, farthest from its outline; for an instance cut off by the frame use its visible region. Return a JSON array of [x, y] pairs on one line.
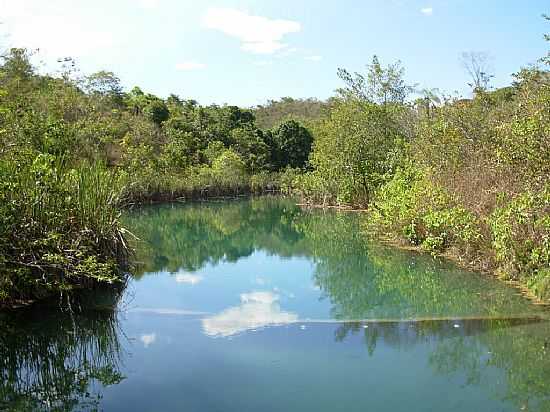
[[59, 226], [422, 213], [521, 239]]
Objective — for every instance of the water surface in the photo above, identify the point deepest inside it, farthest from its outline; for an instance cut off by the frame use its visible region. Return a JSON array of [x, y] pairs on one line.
[[259, 305]]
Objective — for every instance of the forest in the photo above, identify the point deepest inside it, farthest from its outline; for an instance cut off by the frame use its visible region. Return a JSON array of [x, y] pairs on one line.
[[467, 178]]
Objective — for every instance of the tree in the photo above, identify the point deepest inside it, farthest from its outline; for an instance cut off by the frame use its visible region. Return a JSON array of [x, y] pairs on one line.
[[104, 84], [157, 111], [249, 144], [356, 150], [477, 65], [16, 64], [136, 100], [292, 145], [381, 85], [229, 163]]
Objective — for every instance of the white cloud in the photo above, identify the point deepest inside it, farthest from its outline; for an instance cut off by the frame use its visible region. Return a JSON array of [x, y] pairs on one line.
[[149, 4], [192, 65], [257, 34], [56, 37], [427, 11], [188, 278], [257, 310], [148, 339], [287, 52], [314, 58], [58, 30]]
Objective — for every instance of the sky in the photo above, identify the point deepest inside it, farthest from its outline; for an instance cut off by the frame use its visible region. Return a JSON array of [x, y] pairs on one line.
[[246, 52]]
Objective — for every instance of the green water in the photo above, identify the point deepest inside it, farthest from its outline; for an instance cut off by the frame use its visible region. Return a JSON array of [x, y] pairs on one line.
[[257, 305]]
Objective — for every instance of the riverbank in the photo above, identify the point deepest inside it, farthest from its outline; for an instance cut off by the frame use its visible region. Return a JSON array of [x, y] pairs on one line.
[[455, 257], [474, 255], [60, 229]]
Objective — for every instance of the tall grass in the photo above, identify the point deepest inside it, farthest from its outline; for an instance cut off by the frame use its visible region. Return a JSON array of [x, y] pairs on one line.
[[59, 226]]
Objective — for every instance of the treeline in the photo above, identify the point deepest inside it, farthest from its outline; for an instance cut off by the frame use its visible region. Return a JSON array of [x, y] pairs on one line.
[[465, 177], [468, 177], [75, 149]]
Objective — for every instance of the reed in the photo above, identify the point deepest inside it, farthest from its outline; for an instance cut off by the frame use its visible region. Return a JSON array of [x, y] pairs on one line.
[[60, 227]]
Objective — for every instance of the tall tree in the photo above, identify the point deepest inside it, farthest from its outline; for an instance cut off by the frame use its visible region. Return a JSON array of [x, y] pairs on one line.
[[381, 85]]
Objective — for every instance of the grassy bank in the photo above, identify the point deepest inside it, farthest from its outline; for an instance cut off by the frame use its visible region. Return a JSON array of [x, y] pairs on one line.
[[60, 228], [204, 184]]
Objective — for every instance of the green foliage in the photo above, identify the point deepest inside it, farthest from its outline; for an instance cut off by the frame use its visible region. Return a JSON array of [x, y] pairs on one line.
[[423, 214], [381, 85], [229, 163], [292, 145], [60, 227], [355, 151], [157, 111], [475, 182], [59, 205], [521, 239], [249, 144], [275, 112]]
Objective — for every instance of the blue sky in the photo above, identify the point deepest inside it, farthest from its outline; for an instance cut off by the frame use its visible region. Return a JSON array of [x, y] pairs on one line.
[[245, 52]]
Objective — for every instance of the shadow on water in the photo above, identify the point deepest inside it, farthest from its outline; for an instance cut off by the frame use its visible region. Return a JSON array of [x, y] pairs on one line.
[[58, 360]]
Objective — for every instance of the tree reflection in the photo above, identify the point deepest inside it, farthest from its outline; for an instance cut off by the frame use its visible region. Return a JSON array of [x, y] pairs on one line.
[[473, 348], [187, 237], [363, 280], [54, 360]]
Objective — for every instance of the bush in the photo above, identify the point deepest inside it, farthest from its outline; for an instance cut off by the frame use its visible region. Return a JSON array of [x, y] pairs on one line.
[[423, 213], [521, 239], [59, 227]]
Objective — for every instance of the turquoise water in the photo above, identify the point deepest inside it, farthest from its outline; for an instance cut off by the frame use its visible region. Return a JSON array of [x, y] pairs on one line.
[[259, 305]]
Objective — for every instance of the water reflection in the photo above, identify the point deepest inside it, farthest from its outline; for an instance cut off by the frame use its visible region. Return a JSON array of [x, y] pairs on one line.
[[257, 310], [57, 360], [265, 266], [357, 279], [188, 278], [350, 279], [187, 237]]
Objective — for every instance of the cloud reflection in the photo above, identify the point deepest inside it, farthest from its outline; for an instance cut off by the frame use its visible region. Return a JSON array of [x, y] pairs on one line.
[[148, 339], [189, 279], [257, 310]]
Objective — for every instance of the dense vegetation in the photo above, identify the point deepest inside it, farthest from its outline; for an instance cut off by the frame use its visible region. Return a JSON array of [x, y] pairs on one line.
[[75, 149], [465, 177]]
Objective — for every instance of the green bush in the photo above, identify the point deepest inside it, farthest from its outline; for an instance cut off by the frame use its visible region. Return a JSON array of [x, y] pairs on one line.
[[59, 226], [422, 213], [521, 239]]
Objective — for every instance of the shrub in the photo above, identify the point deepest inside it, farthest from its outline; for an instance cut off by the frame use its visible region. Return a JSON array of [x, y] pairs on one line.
[[422, 213], [521, 239], [59, 226]]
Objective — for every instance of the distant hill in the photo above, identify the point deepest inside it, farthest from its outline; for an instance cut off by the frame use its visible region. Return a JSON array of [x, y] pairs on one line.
[[275, 111]]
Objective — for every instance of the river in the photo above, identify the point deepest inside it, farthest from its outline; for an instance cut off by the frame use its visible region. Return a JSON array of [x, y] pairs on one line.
[[259, 305]]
